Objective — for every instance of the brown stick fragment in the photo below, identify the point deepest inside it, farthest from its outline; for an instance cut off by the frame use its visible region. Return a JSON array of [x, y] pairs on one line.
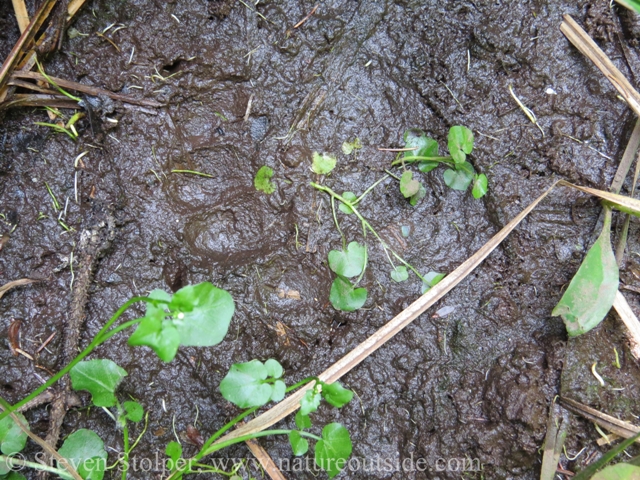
[[22, 16], [623, 309], [265, 460], [583, 42], [16, 82], [34, 100], [73, 7], [619, 427], [16, 283], [93, 91], [24, 42], [313, 10], [46, 342]]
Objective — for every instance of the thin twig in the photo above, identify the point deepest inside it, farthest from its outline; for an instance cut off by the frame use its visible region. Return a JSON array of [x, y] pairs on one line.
[[93, 91], [313, 10], [22, 15]]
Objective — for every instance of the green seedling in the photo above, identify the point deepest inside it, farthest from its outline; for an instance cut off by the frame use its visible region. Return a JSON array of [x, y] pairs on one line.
[[344, 295], [633, 5], [349, 147], [322, 164], [101, 378], [431, 279], [262, 180], [196, 315], [55, 85], [254, 384], [68, 128], [423, 150], [591, 293]]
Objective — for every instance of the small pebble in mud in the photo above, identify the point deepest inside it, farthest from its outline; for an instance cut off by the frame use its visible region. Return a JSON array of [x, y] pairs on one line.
[[294, 155], [259, 128]]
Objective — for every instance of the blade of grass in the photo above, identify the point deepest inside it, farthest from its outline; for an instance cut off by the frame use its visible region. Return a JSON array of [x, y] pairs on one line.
[[583, 42], [588, 472], [620, 202], [22, 15], [557, 427]]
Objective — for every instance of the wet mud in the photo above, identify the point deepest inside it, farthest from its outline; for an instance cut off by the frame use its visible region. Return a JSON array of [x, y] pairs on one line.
[[243, 88]]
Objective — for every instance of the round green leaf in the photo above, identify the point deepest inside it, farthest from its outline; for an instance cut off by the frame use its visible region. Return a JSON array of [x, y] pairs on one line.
[[400, 274], [335, 394], [99, 377], [299, 445], [408, 185], [279, 389], [461, 177], [302, 421], [244, 385], [12, 438], [334, 449], [158, 334], [262, 180], [460, 142], [347, 196], [323, 164], [204, 314], [427, 165], [346, 298], [274, 369], [422, 192], [432, 278], [348, 263], [480, 186], [173, 451], [426, 147], [133, 411], [85, 450], [310, 402]]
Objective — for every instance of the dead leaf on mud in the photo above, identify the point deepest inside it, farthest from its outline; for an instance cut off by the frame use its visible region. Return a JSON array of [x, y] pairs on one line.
[[16, 283], [292, 294]]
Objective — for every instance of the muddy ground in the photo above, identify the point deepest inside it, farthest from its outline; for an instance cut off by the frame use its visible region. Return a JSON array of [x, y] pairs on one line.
[[476, 384]]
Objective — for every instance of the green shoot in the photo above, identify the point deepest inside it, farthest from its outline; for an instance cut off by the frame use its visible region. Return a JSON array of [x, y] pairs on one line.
[[55, 85], [193, 172], [262, 180]]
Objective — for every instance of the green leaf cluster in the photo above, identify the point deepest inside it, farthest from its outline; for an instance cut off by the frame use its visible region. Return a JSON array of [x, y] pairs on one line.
[[347, 264], [424, 151], [196, 315], [334, 448], [262, 180], [253, 384]]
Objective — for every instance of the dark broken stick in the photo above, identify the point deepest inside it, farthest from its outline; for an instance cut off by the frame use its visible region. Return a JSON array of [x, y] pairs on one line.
[[93, 91], [95, 239]]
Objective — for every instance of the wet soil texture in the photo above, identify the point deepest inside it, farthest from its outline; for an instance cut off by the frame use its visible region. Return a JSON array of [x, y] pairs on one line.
[[243, 88]]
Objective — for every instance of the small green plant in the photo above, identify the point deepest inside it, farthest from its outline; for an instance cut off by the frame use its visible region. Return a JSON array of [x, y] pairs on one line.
[[352, 260], [322, 163], [196, 315], [262, 180], [423, 150], [62, 127], [350, 147]]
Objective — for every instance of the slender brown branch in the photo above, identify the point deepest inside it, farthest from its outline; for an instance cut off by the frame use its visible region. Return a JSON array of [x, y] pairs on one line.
[[93, 91]]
